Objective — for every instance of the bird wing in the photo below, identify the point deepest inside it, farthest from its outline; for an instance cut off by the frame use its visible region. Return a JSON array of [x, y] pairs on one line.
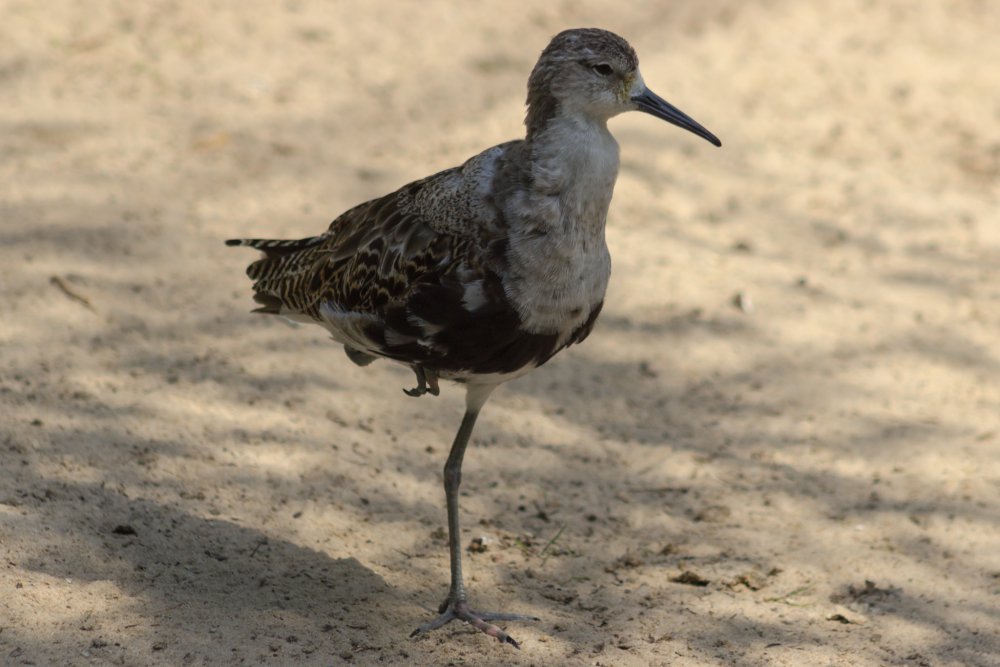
[[387, 281]]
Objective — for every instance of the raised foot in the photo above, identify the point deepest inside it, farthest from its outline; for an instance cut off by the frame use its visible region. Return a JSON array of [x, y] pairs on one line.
[[427, 383], [451, 611]]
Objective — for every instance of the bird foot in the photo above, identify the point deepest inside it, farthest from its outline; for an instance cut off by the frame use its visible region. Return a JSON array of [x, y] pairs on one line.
[[452, 610], [427, 383]]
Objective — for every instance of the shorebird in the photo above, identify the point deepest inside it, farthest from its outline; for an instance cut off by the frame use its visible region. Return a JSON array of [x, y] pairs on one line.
[[482, 272]]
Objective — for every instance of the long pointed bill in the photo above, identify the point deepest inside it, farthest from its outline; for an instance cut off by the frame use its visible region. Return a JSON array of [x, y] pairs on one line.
[[655, 105]]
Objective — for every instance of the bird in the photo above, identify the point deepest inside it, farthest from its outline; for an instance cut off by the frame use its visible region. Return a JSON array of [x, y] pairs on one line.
[[480, 273]]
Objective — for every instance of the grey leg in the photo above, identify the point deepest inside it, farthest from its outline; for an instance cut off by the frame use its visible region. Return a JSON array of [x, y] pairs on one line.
[[455, 605]]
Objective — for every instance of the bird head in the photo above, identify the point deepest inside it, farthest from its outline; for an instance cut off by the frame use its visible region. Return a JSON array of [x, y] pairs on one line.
[[594, 74]]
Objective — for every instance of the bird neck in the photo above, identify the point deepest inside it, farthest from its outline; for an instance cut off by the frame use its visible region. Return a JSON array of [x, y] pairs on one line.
[[541, 109], [575, 158]]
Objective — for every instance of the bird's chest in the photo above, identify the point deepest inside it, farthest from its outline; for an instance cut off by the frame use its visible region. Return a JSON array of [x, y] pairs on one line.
[[555, 282], [558, 264]]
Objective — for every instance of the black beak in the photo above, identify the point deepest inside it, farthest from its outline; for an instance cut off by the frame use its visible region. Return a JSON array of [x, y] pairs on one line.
[[655, 105]]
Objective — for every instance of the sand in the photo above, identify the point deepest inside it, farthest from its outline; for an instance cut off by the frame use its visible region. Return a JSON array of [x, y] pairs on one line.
[[780, 446]]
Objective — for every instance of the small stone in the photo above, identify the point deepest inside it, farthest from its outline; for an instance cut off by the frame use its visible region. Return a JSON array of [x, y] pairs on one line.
[[690, 578], [479, 544], [742, 301]]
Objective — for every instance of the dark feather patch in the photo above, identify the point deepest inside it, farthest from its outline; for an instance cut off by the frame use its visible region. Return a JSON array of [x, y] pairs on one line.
[[358, 357], [270, 305]]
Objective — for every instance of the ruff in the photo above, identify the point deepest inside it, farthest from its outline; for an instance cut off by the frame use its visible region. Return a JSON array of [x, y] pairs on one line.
[[482, 272]]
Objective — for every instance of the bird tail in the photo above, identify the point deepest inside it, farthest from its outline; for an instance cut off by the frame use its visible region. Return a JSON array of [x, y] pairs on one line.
[[278, 260]]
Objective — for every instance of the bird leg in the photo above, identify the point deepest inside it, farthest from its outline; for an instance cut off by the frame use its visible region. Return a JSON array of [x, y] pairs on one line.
[[427, 382], [456, 605]]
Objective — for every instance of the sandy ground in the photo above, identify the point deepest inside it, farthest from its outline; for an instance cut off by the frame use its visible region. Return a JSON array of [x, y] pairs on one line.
[[811, 479]]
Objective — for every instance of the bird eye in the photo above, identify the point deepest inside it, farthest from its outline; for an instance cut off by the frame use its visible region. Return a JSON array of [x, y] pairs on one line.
[[603, 69]]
